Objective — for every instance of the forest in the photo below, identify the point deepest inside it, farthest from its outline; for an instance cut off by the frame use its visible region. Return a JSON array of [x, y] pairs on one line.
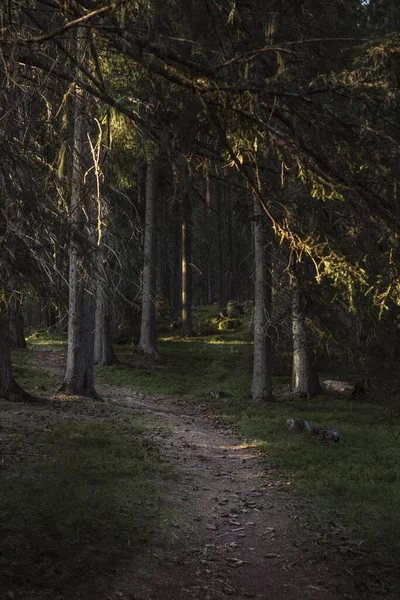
[[199, 299]]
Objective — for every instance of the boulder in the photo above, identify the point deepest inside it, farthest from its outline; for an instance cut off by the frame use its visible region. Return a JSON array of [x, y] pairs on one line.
[[234, 309], [297, 425], [228, 324]]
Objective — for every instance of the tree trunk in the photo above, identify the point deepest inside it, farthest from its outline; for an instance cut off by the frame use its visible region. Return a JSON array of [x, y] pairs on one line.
[[9, 389], [262, 366], [162, 250], [230, 283], [147, 342], [187, 291], [79, 378], [6, 378], [17, 324], [177, 264], [103, 349], [217, 195], [305, 382]]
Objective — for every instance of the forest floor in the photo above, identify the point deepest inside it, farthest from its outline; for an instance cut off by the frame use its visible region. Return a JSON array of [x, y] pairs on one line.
[[229, 522]]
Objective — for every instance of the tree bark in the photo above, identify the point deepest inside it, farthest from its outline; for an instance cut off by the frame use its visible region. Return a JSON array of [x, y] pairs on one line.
[[147, 342], [9, 389], [163, 275], [79, 377], [187, 291], [262, 365], [177, 263], [17, 324], [103, 348], [217, 194], [6, 378], [305, 382]]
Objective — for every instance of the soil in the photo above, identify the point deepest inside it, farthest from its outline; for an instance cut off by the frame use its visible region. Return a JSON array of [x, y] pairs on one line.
[[243, 544]]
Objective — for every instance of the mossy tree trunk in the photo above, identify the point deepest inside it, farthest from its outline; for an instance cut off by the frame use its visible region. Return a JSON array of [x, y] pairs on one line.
[[262, 365]]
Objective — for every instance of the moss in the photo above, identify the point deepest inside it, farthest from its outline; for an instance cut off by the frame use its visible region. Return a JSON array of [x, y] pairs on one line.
[[228, 324]]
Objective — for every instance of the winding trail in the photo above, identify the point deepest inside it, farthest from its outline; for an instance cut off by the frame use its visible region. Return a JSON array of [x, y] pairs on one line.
[[243, 544]]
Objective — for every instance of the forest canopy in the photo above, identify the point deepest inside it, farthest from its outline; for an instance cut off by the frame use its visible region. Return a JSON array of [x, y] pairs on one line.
[[144, 143]]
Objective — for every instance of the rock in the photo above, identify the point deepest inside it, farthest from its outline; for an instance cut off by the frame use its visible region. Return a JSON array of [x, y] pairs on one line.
[[234, 309], [228, 324], [326, 434], [248, 306], [342, 388], [297, 425]]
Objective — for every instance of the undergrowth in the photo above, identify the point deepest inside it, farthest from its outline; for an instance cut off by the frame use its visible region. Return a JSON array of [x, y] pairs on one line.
[[344, 495]]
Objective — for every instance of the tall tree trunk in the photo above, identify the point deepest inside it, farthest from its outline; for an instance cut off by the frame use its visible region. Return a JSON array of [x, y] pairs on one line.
[[177, 263], [147, 342], [79, 378], [231, 277], [262, 365], [103, 348], [9, 389], [217, 194], [187, 290], [305, 382], [17, 324], [6, 378], [162, 250]]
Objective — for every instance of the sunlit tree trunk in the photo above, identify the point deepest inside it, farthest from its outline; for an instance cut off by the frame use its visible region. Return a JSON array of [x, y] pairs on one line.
[[147, 342], [79, 378], [187, 292], [262, 365], [305, 382]]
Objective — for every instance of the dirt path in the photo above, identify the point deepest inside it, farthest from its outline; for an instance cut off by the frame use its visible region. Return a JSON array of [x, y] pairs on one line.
[[243, 544]]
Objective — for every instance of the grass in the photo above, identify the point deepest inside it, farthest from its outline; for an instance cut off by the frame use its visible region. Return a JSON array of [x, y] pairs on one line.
[[80, 500], [193, 366], [344, 496]]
